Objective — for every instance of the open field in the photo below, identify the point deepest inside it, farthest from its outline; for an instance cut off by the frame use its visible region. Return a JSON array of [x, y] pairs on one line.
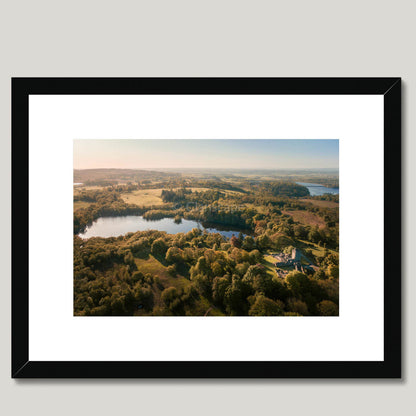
[[268, 262], [159, 272], [149, 197], [317, 250], [143, 197], [157, 269], [306, 218], [262, 209], [322, 204], [154, 267]]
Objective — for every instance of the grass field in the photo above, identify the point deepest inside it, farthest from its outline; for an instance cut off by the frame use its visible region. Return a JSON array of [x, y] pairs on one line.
[[306, 218], [157, 269], [268, 262], [322, 204], [316, 250], [149, 197], [262, 209], [143, 197]]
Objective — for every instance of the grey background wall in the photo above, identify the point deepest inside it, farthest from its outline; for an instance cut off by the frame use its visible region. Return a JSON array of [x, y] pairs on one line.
[[212, 38]]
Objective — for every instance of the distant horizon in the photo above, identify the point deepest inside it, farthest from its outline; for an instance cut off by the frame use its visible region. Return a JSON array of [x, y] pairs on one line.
[[219, 168], [208, 154]]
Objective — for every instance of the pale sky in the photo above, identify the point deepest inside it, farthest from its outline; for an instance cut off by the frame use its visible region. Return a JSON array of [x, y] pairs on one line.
[[220, 154]]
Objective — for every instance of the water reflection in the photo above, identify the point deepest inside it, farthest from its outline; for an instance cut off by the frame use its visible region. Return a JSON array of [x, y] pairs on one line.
[[116, 226], [317, 189]]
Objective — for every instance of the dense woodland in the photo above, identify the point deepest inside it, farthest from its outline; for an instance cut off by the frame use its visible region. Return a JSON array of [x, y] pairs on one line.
[[200, 273]]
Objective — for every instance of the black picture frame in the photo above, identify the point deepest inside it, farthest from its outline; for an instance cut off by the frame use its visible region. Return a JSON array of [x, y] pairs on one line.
[[22, 367]]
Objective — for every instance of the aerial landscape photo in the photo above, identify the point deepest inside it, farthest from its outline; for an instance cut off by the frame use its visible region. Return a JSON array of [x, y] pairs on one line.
[[206, 227]]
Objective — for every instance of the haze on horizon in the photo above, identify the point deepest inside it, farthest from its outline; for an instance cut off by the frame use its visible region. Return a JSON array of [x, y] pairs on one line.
[[206, 154]]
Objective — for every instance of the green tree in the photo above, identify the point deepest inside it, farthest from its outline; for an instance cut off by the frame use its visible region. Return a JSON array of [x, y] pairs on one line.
[[264, 306], [263, 241], [234, 300], [169, 295], [235, 242], [255, 256], [328, 308], [248, 243], [144, 297], [159, 248], [333, 271], [298, 306], [298, 283], [129, 259], [174, 255], [219, 287]]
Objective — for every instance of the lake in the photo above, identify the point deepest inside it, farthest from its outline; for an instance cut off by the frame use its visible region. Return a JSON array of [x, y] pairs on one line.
[[317, 189], [116, 226]]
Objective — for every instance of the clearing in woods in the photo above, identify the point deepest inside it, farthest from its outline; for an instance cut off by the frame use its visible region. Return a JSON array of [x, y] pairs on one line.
[[317, 250], [322, 204], [150, 197], [144, 197], [269, 263], [306, 218], [154, 267]]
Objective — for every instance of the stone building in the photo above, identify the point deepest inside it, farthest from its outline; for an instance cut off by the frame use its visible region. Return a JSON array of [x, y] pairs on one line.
[[296, 255], [294, 260]]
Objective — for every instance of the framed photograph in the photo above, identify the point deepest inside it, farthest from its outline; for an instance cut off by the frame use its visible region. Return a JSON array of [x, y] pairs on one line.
[[206, 227]]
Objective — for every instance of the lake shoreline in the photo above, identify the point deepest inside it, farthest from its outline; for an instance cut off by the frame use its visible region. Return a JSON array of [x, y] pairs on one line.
[[316, 189], [116, 226]]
